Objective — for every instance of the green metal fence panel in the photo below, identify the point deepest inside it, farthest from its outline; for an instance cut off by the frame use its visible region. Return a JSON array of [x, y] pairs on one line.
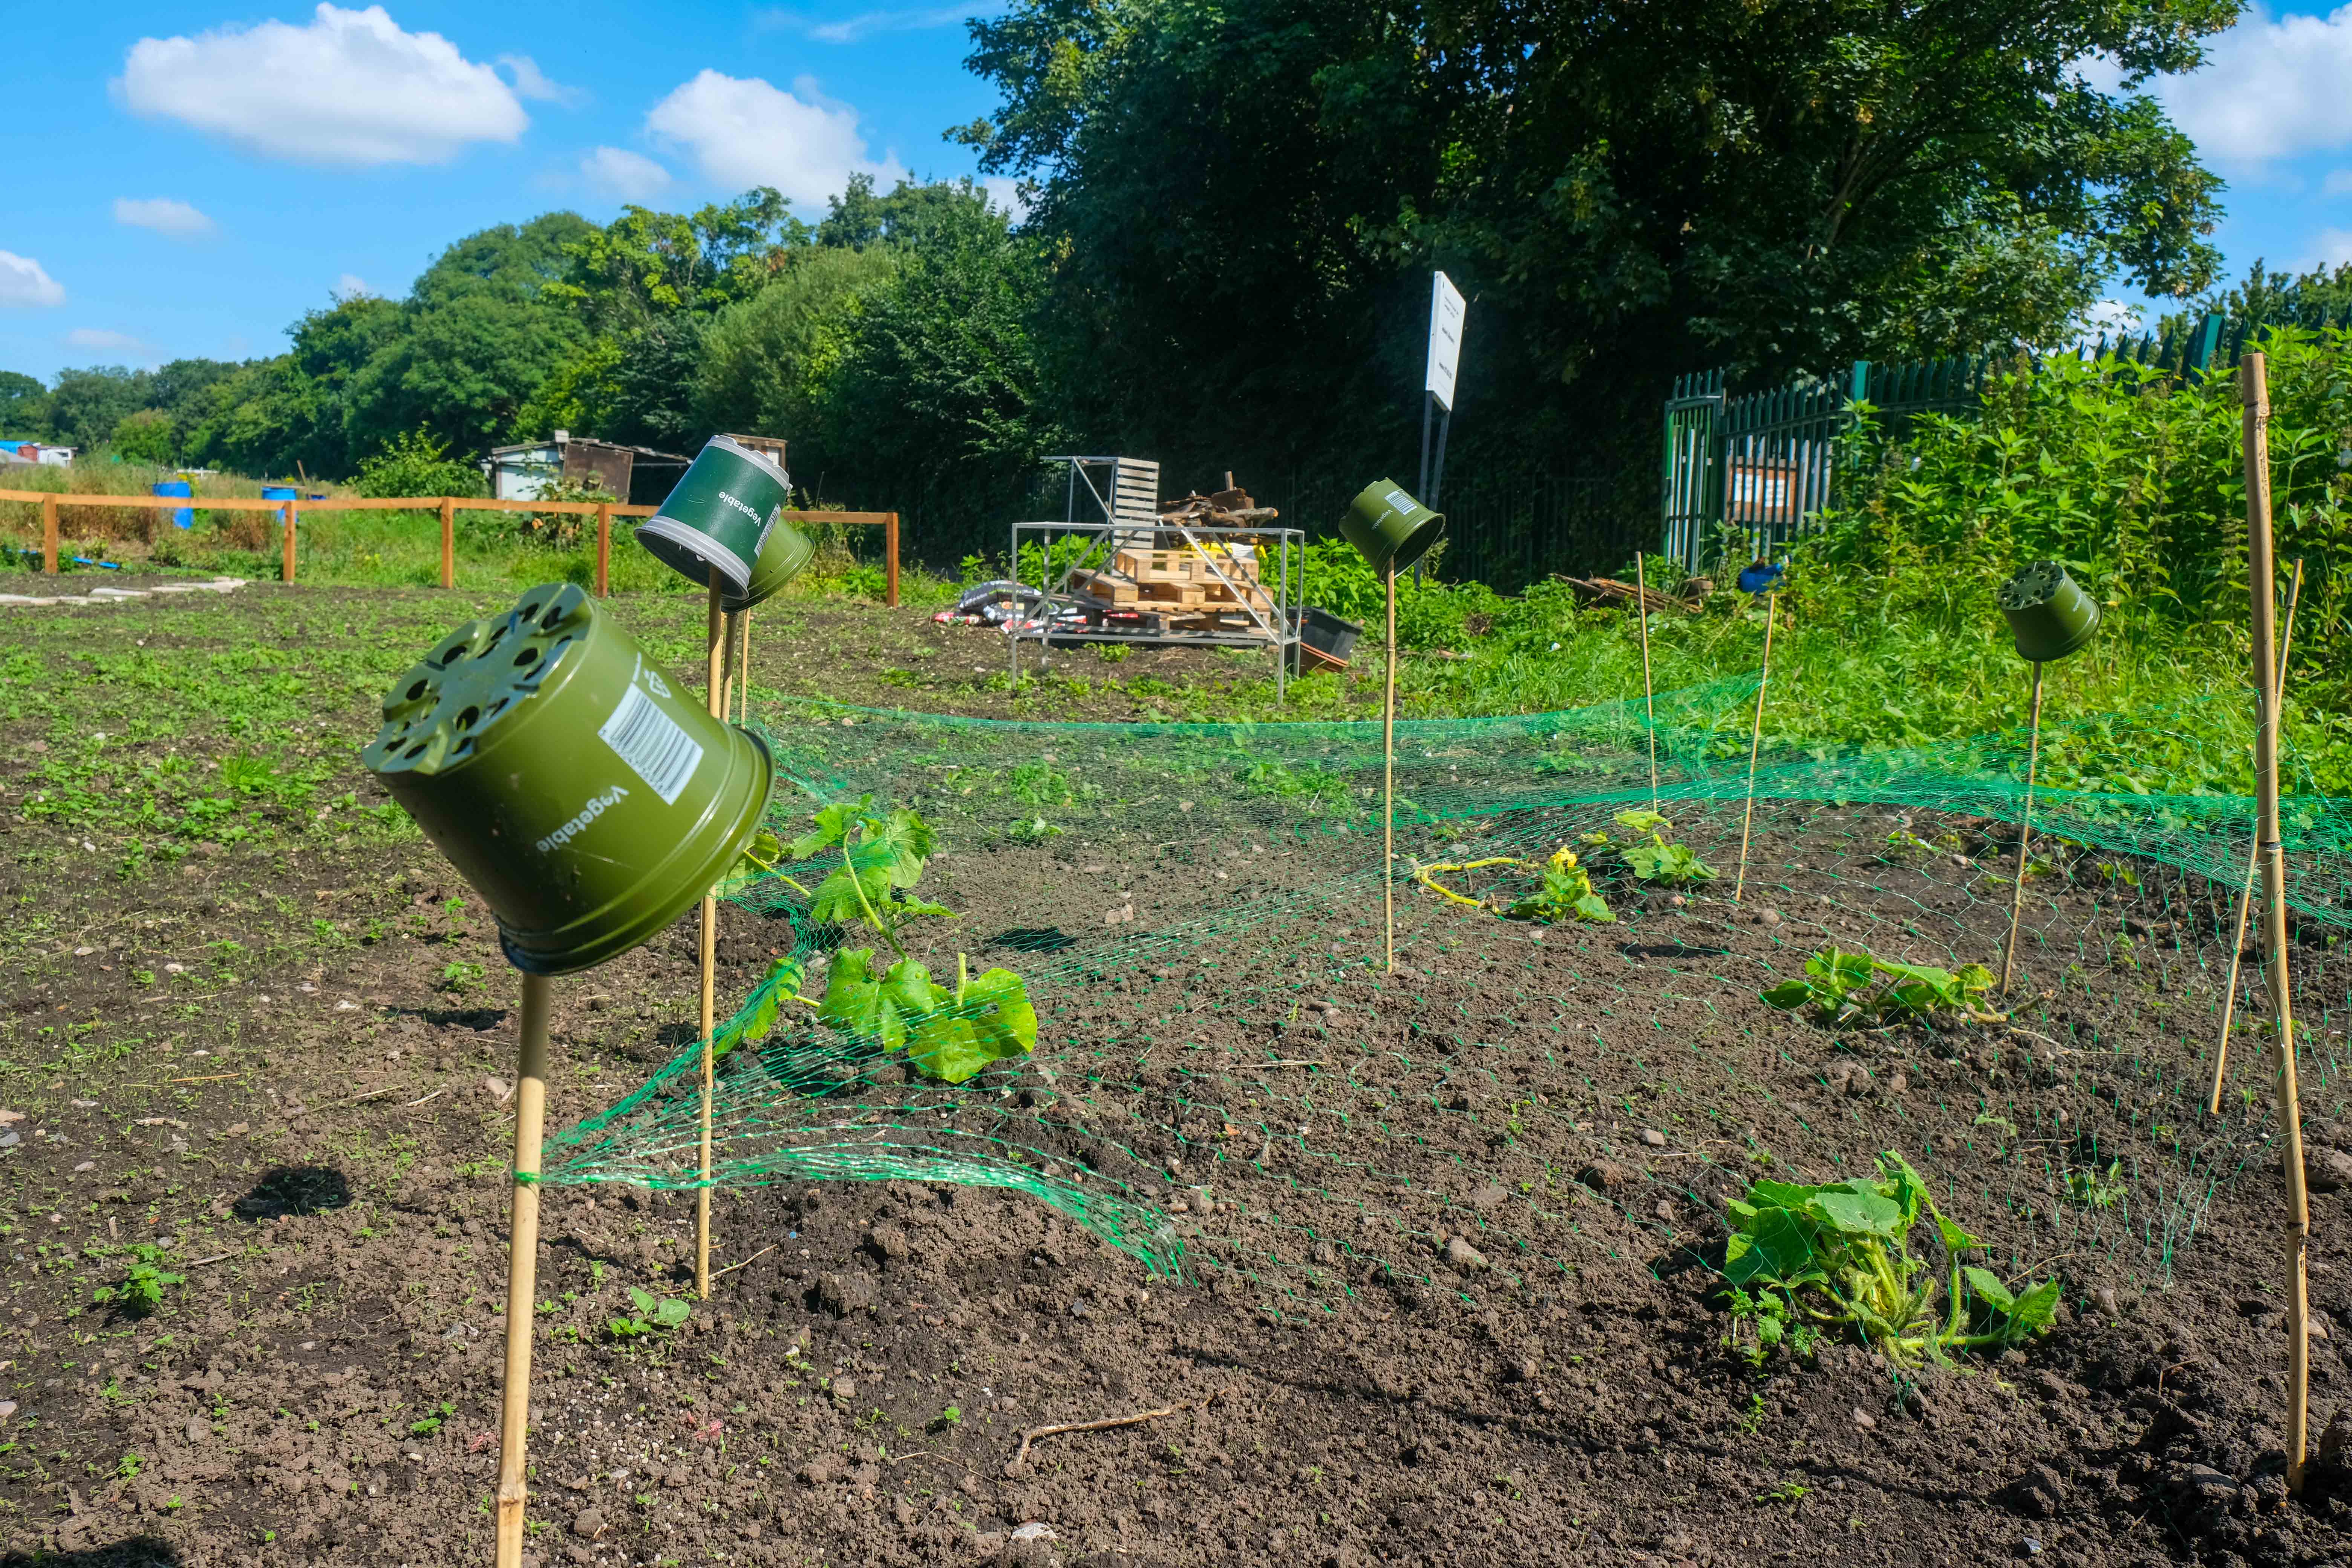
[[1748, 473]]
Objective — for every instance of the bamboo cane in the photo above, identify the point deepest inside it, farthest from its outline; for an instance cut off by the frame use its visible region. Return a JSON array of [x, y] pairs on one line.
[[2254, 866], [1755, 741], [2024, 834], [2263, 587], [1649, 702], [1388, 787], [743, 662], [522, 1268], [710, 959]]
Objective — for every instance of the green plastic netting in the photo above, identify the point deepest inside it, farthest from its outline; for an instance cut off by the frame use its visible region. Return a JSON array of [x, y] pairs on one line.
[[1229, 1085]]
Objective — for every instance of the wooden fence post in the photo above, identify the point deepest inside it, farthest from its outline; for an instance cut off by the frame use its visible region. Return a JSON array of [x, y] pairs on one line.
[[49, 535], [890, 559], [285, 552], [448, 543], [604, 549]]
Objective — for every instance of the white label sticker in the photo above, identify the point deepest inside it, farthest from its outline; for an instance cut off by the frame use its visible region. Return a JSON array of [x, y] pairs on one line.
[[652, 743]]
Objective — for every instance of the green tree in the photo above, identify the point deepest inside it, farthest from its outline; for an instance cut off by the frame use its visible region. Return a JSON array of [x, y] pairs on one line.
[[146, 436], [766, 360], [940, 385], [1254, 192], [86, 404], [23, 405]]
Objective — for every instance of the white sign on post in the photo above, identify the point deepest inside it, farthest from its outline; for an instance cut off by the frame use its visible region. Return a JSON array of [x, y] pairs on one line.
[[1445, 309]]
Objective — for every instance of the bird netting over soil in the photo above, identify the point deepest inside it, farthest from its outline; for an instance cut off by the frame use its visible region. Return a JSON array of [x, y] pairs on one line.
[[1231, 1086]]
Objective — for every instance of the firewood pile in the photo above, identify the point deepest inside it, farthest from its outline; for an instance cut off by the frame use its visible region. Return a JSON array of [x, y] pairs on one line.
[[1229, 508]]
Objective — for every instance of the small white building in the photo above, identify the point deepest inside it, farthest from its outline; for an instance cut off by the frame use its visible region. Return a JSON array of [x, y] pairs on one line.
[[29, 453], [524, 472]]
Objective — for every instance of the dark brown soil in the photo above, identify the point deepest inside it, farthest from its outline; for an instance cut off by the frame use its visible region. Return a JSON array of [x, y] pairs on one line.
[[312, 1122]]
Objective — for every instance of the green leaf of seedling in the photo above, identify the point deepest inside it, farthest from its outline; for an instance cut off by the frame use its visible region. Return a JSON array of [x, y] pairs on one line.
[[1593, 907], [1955, 1238], [1639, 821], [1789, 994], [670, 1314], [838, 897], [783, 980], [855, 1005], [903, 842], [2036, 1309], [1989, 1289], [642, 1300], [833, 824], [1857, 1208]]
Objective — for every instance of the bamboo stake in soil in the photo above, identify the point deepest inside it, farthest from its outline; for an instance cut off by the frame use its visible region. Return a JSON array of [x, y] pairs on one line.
[[717, 688], [1649, 702], [2024, 834], [2254, 865], [1388, 787], [743, 664], [2262, 585], [1755, 740], [522, 1267]]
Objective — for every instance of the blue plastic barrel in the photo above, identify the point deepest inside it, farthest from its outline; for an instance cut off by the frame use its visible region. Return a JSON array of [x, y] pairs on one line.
[[183, 516], [280, 492]]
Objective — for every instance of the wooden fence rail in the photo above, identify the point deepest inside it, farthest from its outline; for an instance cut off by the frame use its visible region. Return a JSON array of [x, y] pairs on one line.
[[52, 503]]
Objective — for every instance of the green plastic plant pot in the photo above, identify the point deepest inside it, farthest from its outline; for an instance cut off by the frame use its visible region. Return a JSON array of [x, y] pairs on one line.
[[588, 798], [2048, 612], [719, 515], [1388, 528], [781, 555]]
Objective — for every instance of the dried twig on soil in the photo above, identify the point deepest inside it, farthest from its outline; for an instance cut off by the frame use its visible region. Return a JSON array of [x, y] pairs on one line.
[[746, 1263], [1108, 1422]]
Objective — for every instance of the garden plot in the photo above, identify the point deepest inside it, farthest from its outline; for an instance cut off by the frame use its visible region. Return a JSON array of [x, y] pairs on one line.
[[1449, 1279]]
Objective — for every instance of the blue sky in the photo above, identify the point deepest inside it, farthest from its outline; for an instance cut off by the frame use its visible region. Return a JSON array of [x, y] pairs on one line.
[[189, 179]]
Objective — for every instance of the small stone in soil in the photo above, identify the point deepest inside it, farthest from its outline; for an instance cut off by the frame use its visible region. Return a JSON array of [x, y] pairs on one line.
[[1654, 1138]]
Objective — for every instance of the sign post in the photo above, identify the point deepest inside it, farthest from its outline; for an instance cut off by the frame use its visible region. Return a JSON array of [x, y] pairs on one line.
[[1446, 309]]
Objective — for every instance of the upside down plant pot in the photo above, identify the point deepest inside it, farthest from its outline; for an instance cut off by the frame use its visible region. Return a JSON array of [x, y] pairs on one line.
[[588, 798], [781, 555], [2048, 612], [719, 516], [1388, 528]]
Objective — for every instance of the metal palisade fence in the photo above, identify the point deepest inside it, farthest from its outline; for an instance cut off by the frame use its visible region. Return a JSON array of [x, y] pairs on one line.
[[1743, 474]]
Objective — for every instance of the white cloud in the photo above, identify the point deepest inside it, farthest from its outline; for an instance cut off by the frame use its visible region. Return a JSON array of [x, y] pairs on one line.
[[351, 286], [2339, 182], [531, 82], [746, 132], [2111, 317], [1004, 194], [164, 216], [23, 282], [2331, 247], [99, 338], [2271, 86], [866, 24], [350, 88], [616, 171]]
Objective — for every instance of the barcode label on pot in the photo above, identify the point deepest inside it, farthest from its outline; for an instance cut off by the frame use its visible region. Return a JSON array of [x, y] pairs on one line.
[[657, 750]]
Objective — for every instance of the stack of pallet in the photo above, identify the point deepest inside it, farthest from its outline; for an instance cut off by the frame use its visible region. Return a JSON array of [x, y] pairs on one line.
[[1185, 583]]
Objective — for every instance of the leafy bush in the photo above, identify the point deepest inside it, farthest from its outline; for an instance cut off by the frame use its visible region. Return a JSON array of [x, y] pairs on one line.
[[415, 464], [1642, 846]]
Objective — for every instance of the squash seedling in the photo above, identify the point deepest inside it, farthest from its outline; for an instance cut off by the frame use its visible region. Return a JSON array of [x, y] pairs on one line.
[[1646, 851], [1841, 986], [649, 1315], [947, 1035], [1806, 1259], [1564, 891]]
